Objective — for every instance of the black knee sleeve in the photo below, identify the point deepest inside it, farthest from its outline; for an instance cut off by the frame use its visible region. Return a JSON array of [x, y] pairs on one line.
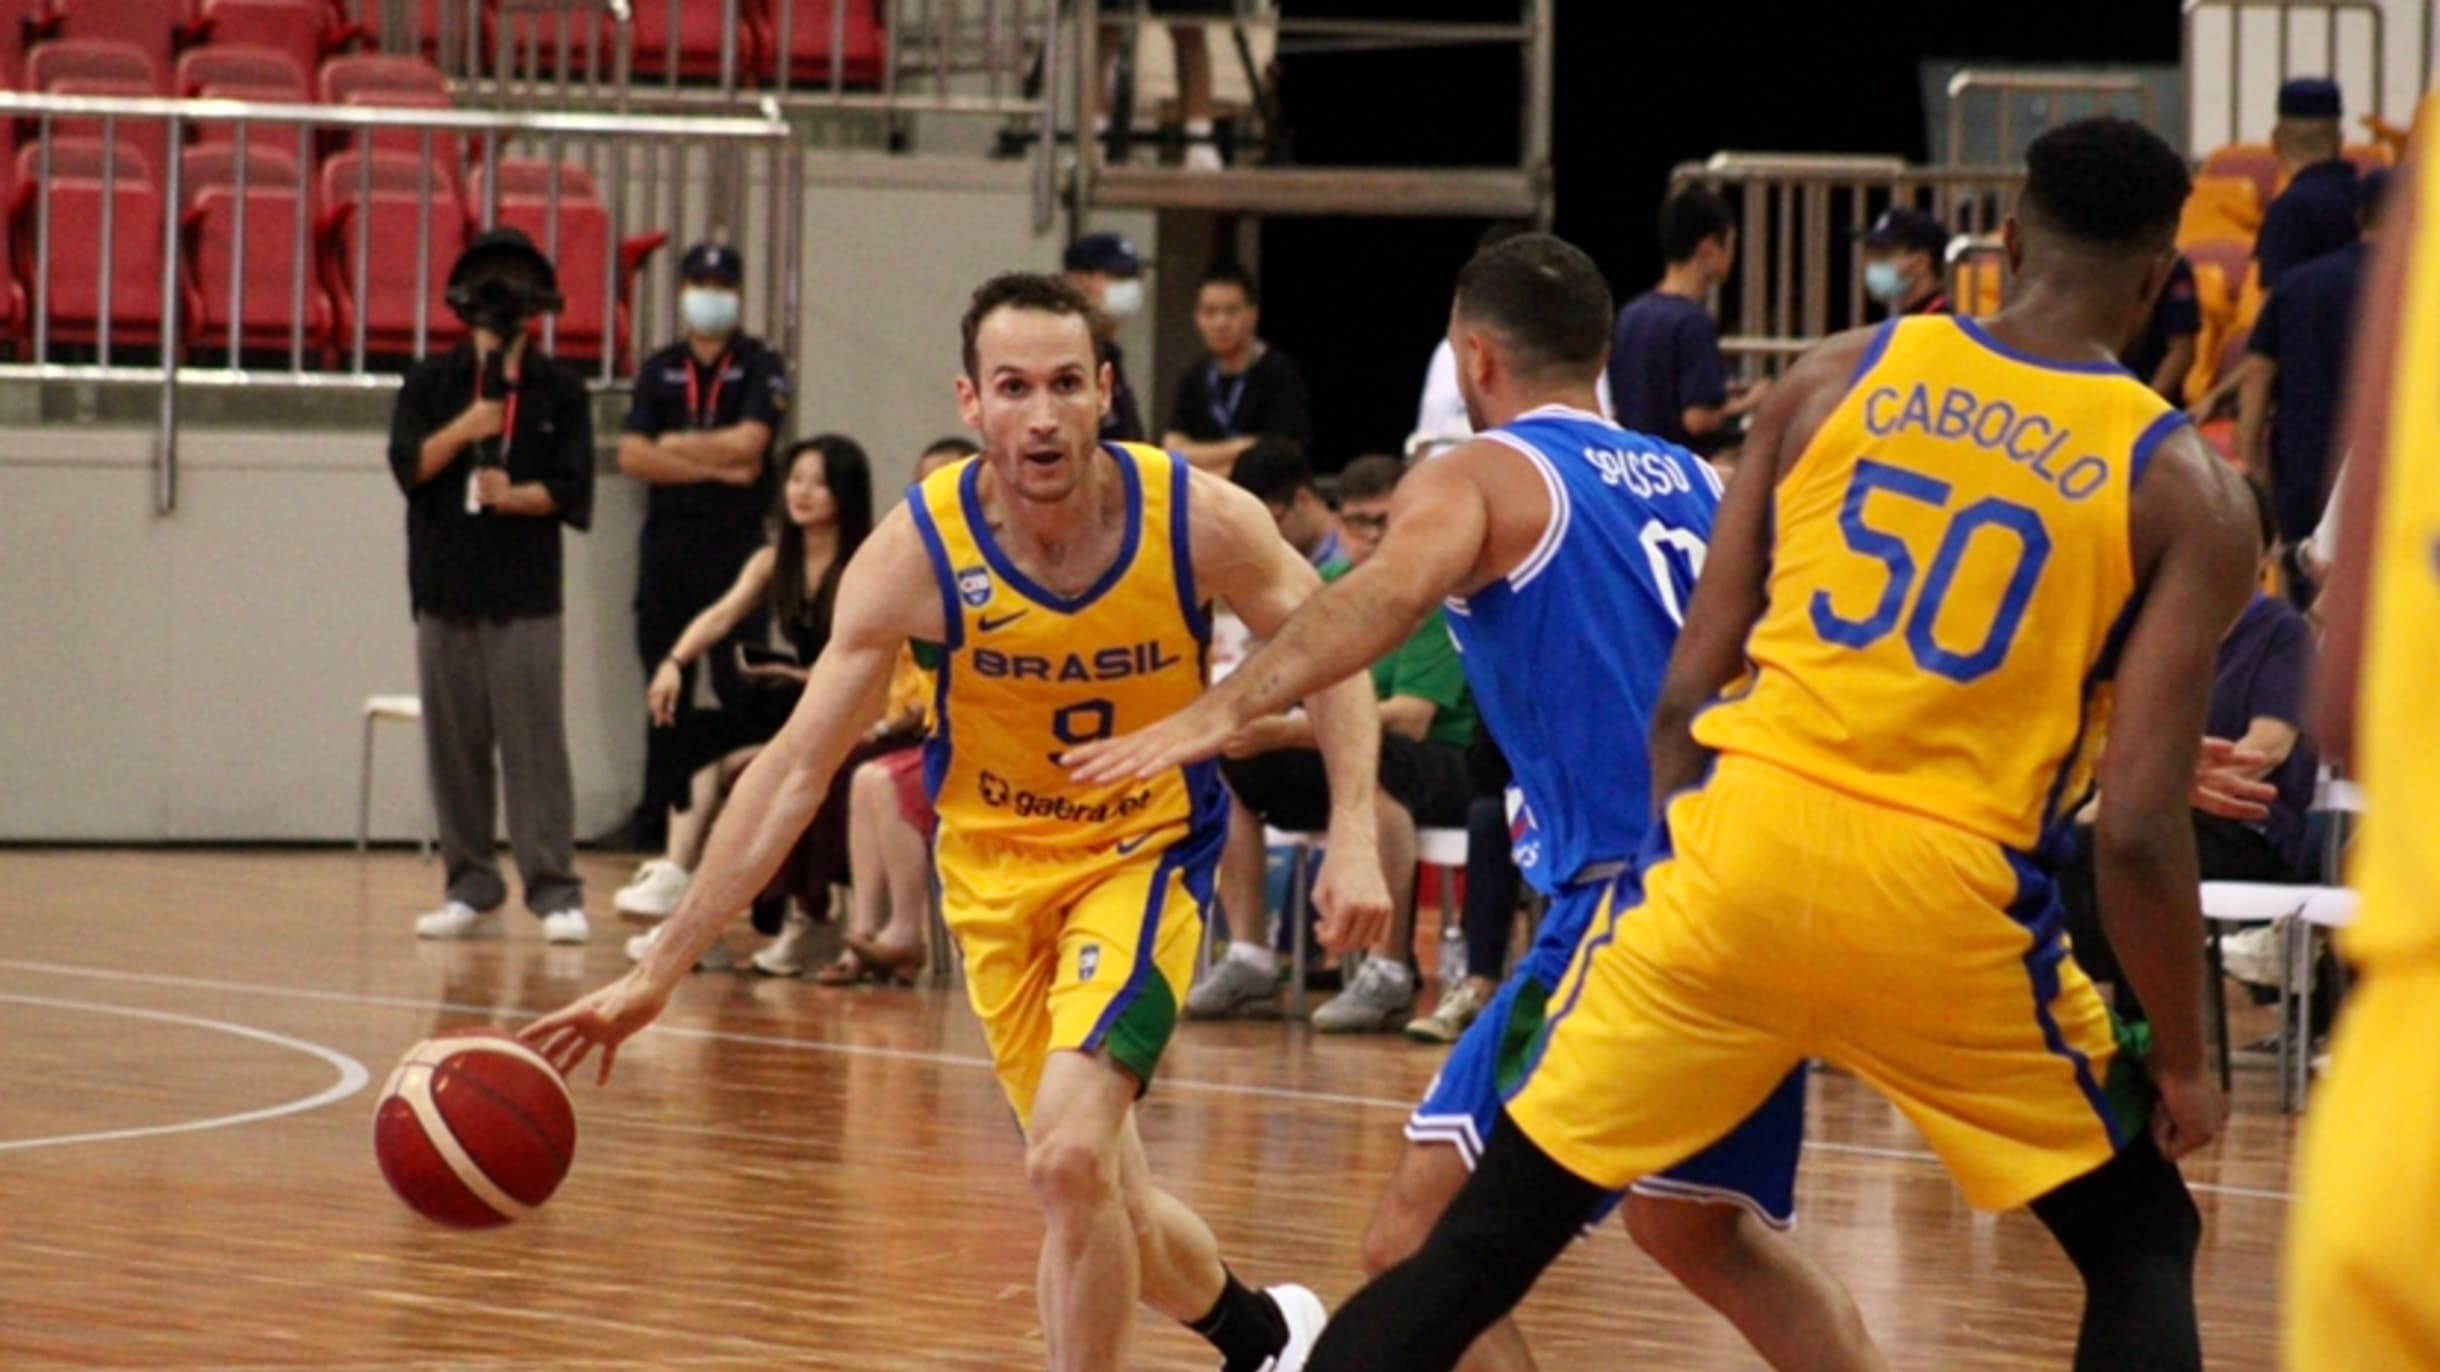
[[2132, 1231]]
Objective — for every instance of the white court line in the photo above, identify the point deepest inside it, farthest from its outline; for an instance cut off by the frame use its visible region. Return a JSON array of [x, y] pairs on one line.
[[912, 1055], [352, 1076]]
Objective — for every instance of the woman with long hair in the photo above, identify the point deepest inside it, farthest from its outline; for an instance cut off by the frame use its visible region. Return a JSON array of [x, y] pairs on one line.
[[825, 512]]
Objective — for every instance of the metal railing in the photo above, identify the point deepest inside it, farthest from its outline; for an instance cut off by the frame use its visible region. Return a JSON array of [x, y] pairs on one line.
[[639, 164], [2053, 95], [1800, 221], [2226, 20]]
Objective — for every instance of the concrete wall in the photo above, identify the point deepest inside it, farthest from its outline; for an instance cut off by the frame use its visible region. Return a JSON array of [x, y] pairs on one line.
[[200, 676]]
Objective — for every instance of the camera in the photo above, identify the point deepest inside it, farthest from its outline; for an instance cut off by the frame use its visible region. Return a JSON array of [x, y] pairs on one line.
[[502, 280]]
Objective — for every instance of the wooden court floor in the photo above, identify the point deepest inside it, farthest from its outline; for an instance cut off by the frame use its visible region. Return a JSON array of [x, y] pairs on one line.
[[782, 1174]]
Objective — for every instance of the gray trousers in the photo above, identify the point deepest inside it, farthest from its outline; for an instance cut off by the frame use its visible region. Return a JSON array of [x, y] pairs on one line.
[[488, 684]]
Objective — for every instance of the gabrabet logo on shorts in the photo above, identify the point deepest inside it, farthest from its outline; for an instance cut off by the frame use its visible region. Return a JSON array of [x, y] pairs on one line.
[[999, 795]]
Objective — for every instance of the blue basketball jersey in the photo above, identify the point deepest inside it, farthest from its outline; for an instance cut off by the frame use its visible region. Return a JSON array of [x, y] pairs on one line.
[[1566, 653]]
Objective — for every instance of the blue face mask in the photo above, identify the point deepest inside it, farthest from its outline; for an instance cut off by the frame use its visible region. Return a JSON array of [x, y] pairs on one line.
[[712, 313], [1883, 283]]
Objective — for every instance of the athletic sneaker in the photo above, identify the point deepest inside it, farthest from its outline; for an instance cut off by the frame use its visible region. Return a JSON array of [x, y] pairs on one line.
[[1459, 1007], [1229, 988], [792, 952], [458, 920], [566, 926], [716, 958], [1377, 1001], [2256, 956], [1305, 1316], [654, 891]]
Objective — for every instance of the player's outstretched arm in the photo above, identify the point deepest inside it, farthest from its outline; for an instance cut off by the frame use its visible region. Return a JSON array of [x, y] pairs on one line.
[[1729, 596], [886, 595], [1311, 639], [2194, 524]]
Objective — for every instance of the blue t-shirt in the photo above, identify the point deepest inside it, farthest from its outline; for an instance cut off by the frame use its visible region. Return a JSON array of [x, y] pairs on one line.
[[2313, 216], [2261, 673], [1664, 361], [2306, 327]]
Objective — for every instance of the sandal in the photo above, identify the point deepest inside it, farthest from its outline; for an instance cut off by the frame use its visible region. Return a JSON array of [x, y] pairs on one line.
[[885, 963]]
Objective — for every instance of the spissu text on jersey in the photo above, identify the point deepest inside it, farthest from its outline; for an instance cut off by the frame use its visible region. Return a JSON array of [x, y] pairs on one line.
[[1096, 665]]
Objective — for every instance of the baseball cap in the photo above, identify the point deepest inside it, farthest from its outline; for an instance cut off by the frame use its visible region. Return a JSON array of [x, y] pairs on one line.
[[2310, 97], [713, 262], [1910, 229], [1106, 253]]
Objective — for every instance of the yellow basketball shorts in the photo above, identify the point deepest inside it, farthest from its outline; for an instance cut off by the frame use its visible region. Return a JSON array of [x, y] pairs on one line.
[[1086, 951], [1774, 920], [2361, 1291]]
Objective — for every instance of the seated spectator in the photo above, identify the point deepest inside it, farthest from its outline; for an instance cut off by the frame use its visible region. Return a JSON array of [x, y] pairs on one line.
[[826, 509], [2293, 379], [1666, 374], [1493, 884], [2257, 699], [2316, 214], [889, 818], [1276, 471], [1905, 262], [1275, 777], [1244, 390], [2163, 353]]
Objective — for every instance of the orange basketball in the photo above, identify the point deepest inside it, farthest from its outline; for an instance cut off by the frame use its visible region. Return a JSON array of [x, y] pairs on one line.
[[474, 1129]]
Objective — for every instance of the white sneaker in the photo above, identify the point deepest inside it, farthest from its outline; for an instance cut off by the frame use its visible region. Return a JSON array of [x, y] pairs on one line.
[[566, 926], [1231, 987], [792, 952], [458, 920], [1204, 156], [1306, 1318], [1459, 1007], [716, 958], [2257, 957], [1377, 1000], [654, 891]]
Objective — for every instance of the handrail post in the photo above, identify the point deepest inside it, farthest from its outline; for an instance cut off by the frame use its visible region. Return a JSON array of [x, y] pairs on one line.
[[423, 247], [165, 457], [1539, 99], [42, 242], [296, 287], [1088, 148], [110, 229], [237, 252]]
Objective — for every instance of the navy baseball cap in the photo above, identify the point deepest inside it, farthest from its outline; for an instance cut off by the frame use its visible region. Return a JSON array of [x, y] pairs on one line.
[[2310, 97], [1910, 229], [1106, 253], [713, 262]]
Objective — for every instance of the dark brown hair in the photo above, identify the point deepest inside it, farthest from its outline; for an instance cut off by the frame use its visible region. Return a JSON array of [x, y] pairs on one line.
[[1019, 291]]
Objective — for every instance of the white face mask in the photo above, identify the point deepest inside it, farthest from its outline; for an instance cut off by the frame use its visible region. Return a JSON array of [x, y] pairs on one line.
[[1123, 298], [708, 310]]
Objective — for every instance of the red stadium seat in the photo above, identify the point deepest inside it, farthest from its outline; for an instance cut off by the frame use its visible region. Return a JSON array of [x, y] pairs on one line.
[[343, 77], [580, 253], [150, 134], [22, 23], [387, 224], [2253, 161], [812, 27], [261, 133], [232, 64], [300, 28], [12, 295], [75, 198], [276, 199], [151, 26], [448, 149], [104, 58], [695, 48]]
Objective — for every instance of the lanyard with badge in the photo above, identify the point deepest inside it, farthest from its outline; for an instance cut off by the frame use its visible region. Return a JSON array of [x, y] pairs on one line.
[[700, 410], [1224, 411]]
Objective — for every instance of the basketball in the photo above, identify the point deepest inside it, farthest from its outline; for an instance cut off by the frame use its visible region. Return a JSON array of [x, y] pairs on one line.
[[474, 1129]]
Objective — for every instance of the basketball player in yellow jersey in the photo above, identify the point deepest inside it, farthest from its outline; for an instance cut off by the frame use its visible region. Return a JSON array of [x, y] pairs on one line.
[[1952, 554], [1067, 585], [2361, 1291]]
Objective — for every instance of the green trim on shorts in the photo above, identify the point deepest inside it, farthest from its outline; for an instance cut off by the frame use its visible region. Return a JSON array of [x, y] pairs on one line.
[[1521, 1040], [1141, 1034]]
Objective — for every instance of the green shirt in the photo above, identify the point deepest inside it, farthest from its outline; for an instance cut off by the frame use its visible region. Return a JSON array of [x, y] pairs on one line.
[[1426, 667]]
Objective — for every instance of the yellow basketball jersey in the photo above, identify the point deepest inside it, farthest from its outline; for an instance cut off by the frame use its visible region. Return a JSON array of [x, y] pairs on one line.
[[1950, 572], [1027, 674], [2397, 734]]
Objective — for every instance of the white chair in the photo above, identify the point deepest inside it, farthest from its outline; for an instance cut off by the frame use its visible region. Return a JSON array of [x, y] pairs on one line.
[[385, 710], [1444, 849]]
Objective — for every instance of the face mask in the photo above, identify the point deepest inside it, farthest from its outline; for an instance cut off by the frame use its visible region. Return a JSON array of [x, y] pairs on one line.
[[1883, 283], [707, 311], [1123, 299]]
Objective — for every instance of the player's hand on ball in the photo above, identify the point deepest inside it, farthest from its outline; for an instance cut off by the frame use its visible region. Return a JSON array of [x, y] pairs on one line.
[[607, 1018], [1190, 735], [1353, 899], [2191, 1111]]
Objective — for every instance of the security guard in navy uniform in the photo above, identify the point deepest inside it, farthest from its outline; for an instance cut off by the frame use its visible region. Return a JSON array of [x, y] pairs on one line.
[[2316, 214], [700, 435]]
